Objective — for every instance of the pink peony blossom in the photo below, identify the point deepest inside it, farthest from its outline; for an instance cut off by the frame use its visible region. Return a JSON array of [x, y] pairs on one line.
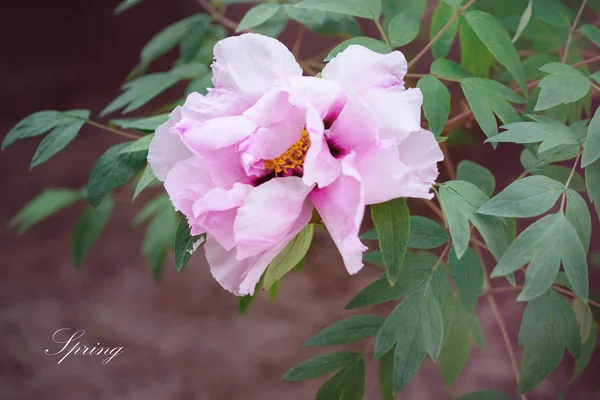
[[247, 163]]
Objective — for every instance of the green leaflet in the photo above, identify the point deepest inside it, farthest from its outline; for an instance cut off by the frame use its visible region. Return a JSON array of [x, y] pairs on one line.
[[289, 257], [323, 22], [112, 170], [349, 330], [592, 182], [404, 27], [436, 103], [484, 395], [44, 205], [125, 5], [258, 15], [587, 349], [370, 9], [88, 228], [486, 98], [376, 45], [392, 221], [579, 216], [448, 70], [456, 348], [474, 55], [549, 325], [184, 244], [424, 234], [591, 32], [564, 85], [348, 383], [478, 175], [321, 365], [440, 17], [467, 274], [523, 21], [148, 124], [146, 180], [142, 144], [527, 197], [591, 150]]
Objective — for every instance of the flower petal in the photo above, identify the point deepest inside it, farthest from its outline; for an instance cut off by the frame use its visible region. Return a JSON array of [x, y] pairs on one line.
[[355, 127], [360, 68], [341, 205], [269, 212], [215, 133], [326, 97], [241, 276], [186, 182], [251, 64], [320, 167], [167, 148], [216, 104]]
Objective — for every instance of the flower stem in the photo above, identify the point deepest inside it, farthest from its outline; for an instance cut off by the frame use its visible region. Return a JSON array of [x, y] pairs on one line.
[[572, 31], [383, 35], [217, 16], [112, 130], [564, 195]]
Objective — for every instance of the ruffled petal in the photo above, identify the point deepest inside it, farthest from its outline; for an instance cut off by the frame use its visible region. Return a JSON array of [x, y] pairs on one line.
[[186, 182], [355, 127], [360, 69], [397, 110], [216, 104], [251, 64], [341, 205], [327, 98], [320, 167], [241, 276], [167, 148], [270, 211], [215, 133]]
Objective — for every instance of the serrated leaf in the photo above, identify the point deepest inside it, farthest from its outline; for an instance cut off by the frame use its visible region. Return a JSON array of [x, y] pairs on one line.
[[88, 228], [257, 15], [184, 244], [112, 170], [564, 85], [496, 39], [436, 103], [591, 150], [467, 274], [320, 365], [440, 17], [478, 175], [289, 257], [527, 197], [44, 205], [370, 9], [489, 99], [323, 22], [392, 221], [373, 44], [143, 124], [449, 70], [349, 330]]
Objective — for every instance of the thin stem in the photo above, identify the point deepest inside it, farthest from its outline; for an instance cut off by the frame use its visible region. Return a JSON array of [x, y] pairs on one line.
[[586, 62], [523, 175], [594, 85], [559, 289], [431, 205], [437, 76], [298, 41], [439, 34], [383, 35], [457, 118], [564, 195], [494, 306], [572, 31], [439, 260], [448, 162], [217, 16], [112, 130]]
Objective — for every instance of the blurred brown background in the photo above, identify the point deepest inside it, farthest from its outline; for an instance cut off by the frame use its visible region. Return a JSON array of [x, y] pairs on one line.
[[182, 338]]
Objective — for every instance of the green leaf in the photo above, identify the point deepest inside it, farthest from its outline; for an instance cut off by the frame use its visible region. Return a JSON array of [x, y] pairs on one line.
[[426, 234], [449, 70], [549, 325], [143, 124], [564, 85], [587, 350], [440, 17], [112, 170], [58, 139], [474, 327], [436, 103], [591, 32], [349, 330], [158, 239], [550, 134], [41, 122], [525, 17], [374, 257], [323, 22], [496, 39], [527, 197], [125, 5], [414, 273], [392, 221], [320, 365], [478, 175], [455, 350], [289, 257], [579, 216], [532, 159], [592, 182], [560, 174], [185, 244], [273, 27], [44, 205], [88, 227], [591, 150], [574, 259], [474, 55], [142, 144], [373, 44], [370, 9], [584, 317], [257, 15], [467, 274], [348, 383], [404, 28], [146, 179], [486, 98], [386, 375], [484, 395]]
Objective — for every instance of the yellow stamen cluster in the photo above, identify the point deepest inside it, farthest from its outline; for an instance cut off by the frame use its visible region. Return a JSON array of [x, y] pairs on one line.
[[292, 158]]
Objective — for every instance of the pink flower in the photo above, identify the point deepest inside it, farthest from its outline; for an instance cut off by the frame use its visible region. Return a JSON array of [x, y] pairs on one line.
[[247, 163]]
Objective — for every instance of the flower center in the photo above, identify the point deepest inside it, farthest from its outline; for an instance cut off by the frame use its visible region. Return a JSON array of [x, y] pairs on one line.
[[292, 159]]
